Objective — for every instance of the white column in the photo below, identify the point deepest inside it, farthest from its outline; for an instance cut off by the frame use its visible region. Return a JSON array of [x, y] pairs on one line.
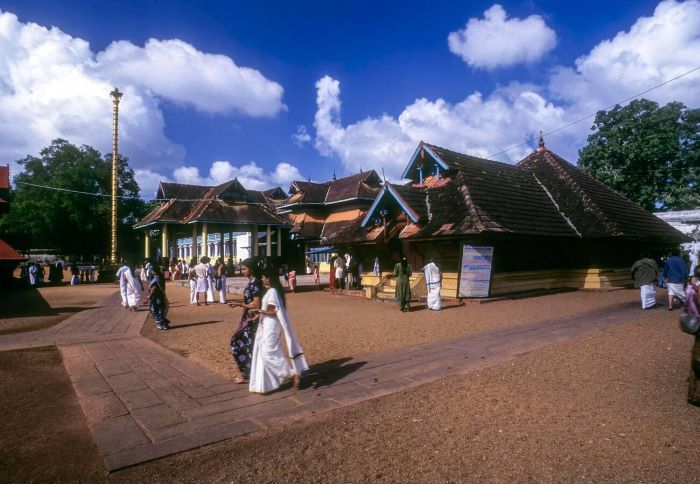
[[279, 241], [268, 242]]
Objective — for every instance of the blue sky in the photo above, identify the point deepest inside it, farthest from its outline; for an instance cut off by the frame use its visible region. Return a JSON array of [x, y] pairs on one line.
[[296, 89]]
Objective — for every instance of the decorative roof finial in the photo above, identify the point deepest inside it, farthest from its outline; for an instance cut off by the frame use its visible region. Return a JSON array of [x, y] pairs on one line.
[[540, 144], [309, 178], [334, 178]]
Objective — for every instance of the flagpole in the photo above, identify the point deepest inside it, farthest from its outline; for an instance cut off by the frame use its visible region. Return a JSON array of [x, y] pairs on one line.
[[116, 96]]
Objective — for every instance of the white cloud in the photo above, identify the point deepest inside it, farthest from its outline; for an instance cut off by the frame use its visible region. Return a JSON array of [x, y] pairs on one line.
[[302, 136], [251, 175], [477, 125], [176, 71], [653, 50], [53, 85], [497, 41]]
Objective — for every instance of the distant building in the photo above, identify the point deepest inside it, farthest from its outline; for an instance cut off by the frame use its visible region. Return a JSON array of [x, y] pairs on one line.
[[688, 222], [321, 213], [222, 221]]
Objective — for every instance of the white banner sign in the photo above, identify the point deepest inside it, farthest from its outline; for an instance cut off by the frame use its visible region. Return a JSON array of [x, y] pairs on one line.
[[475, 271]]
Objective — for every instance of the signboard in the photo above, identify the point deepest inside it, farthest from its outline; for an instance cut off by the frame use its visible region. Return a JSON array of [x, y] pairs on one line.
[[475, 271]]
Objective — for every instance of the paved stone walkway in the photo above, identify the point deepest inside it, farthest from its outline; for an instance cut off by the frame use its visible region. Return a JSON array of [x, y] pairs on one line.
[[143, 401]]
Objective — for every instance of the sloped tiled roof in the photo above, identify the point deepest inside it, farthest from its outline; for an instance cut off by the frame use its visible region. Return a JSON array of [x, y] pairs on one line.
[[181, 191], [8, 253], [415, 198], [595, 209], [541, 196], [228, 202], [361, 186]]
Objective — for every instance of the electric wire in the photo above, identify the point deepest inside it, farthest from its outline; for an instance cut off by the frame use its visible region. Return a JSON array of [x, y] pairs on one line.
[[125, 197]]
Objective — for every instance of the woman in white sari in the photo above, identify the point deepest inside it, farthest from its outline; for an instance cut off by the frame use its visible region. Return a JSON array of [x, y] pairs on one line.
[[270, 366], [133, 288]]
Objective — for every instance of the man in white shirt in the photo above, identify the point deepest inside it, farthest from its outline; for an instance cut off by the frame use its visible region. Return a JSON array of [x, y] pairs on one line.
[[202, 272]]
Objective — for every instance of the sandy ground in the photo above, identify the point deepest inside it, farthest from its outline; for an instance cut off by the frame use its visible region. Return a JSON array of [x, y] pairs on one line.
[[606, 407], [34, 309], [335, 327]]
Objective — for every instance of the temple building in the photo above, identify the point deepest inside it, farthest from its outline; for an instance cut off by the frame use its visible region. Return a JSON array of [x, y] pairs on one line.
[[497, 228], [318, 212], [225, 221]]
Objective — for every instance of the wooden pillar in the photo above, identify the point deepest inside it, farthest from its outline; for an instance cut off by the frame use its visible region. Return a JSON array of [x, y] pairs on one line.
[[254, 240], [279, 241], [222, 247], [268, 242], [147, 244], [205, 243], [194, 242]]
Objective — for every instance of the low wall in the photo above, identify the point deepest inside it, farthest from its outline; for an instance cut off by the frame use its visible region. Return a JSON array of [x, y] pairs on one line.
[[522, 281]]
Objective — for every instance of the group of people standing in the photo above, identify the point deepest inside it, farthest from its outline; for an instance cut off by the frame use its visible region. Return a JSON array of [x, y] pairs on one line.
[[204, 278]]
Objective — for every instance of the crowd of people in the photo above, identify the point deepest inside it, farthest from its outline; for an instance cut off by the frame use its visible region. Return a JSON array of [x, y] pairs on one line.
[[34, 273], [256, 344]]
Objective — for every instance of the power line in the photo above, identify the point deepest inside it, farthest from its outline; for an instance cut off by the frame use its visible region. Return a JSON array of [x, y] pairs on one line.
[[604, 109], [488, 157]]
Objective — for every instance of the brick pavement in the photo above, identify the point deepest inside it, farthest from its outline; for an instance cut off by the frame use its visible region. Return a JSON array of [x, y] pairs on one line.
[[143, 401]]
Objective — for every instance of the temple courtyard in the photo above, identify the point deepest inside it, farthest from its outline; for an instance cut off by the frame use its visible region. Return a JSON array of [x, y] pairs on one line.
[[576, 386]]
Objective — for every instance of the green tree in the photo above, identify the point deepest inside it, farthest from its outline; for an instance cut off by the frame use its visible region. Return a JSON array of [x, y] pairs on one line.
[[648, 153], [71, 223]]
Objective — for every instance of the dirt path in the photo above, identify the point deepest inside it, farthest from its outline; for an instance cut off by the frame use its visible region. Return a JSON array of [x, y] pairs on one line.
[[609, 406], [335, 327]]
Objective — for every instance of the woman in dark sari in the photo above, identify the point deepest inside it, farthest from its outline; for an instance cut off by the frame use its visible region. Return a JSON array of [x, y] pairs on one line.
[[158, 302], [402, 271], [244, 337]]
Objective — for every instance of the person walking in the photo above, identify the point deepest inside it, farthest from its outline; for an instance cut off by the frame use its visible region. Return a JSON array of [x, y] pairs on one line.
[[693, 306], [33, 274], [74, 274], [221, 275], [122, 284], [133, 288], [675, 272], [243, 338], [402, 272], [158, 302], [644, 273], [270, 366]]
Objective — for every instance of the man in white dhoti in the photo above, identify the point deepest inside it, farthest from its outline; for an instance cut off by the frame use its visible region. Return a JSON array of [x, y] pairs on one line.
[[133, 289], [339, 265], [675, 275], [202, 273], [122, 284], [376, 269], [644, 272], [270, 366], [210, 284], [433, 281], [221, 274]]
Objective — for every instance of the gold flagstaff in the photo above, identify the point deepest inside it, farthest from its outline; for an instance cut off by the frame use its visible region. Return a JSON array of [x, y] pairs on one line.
[[116, 95]]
